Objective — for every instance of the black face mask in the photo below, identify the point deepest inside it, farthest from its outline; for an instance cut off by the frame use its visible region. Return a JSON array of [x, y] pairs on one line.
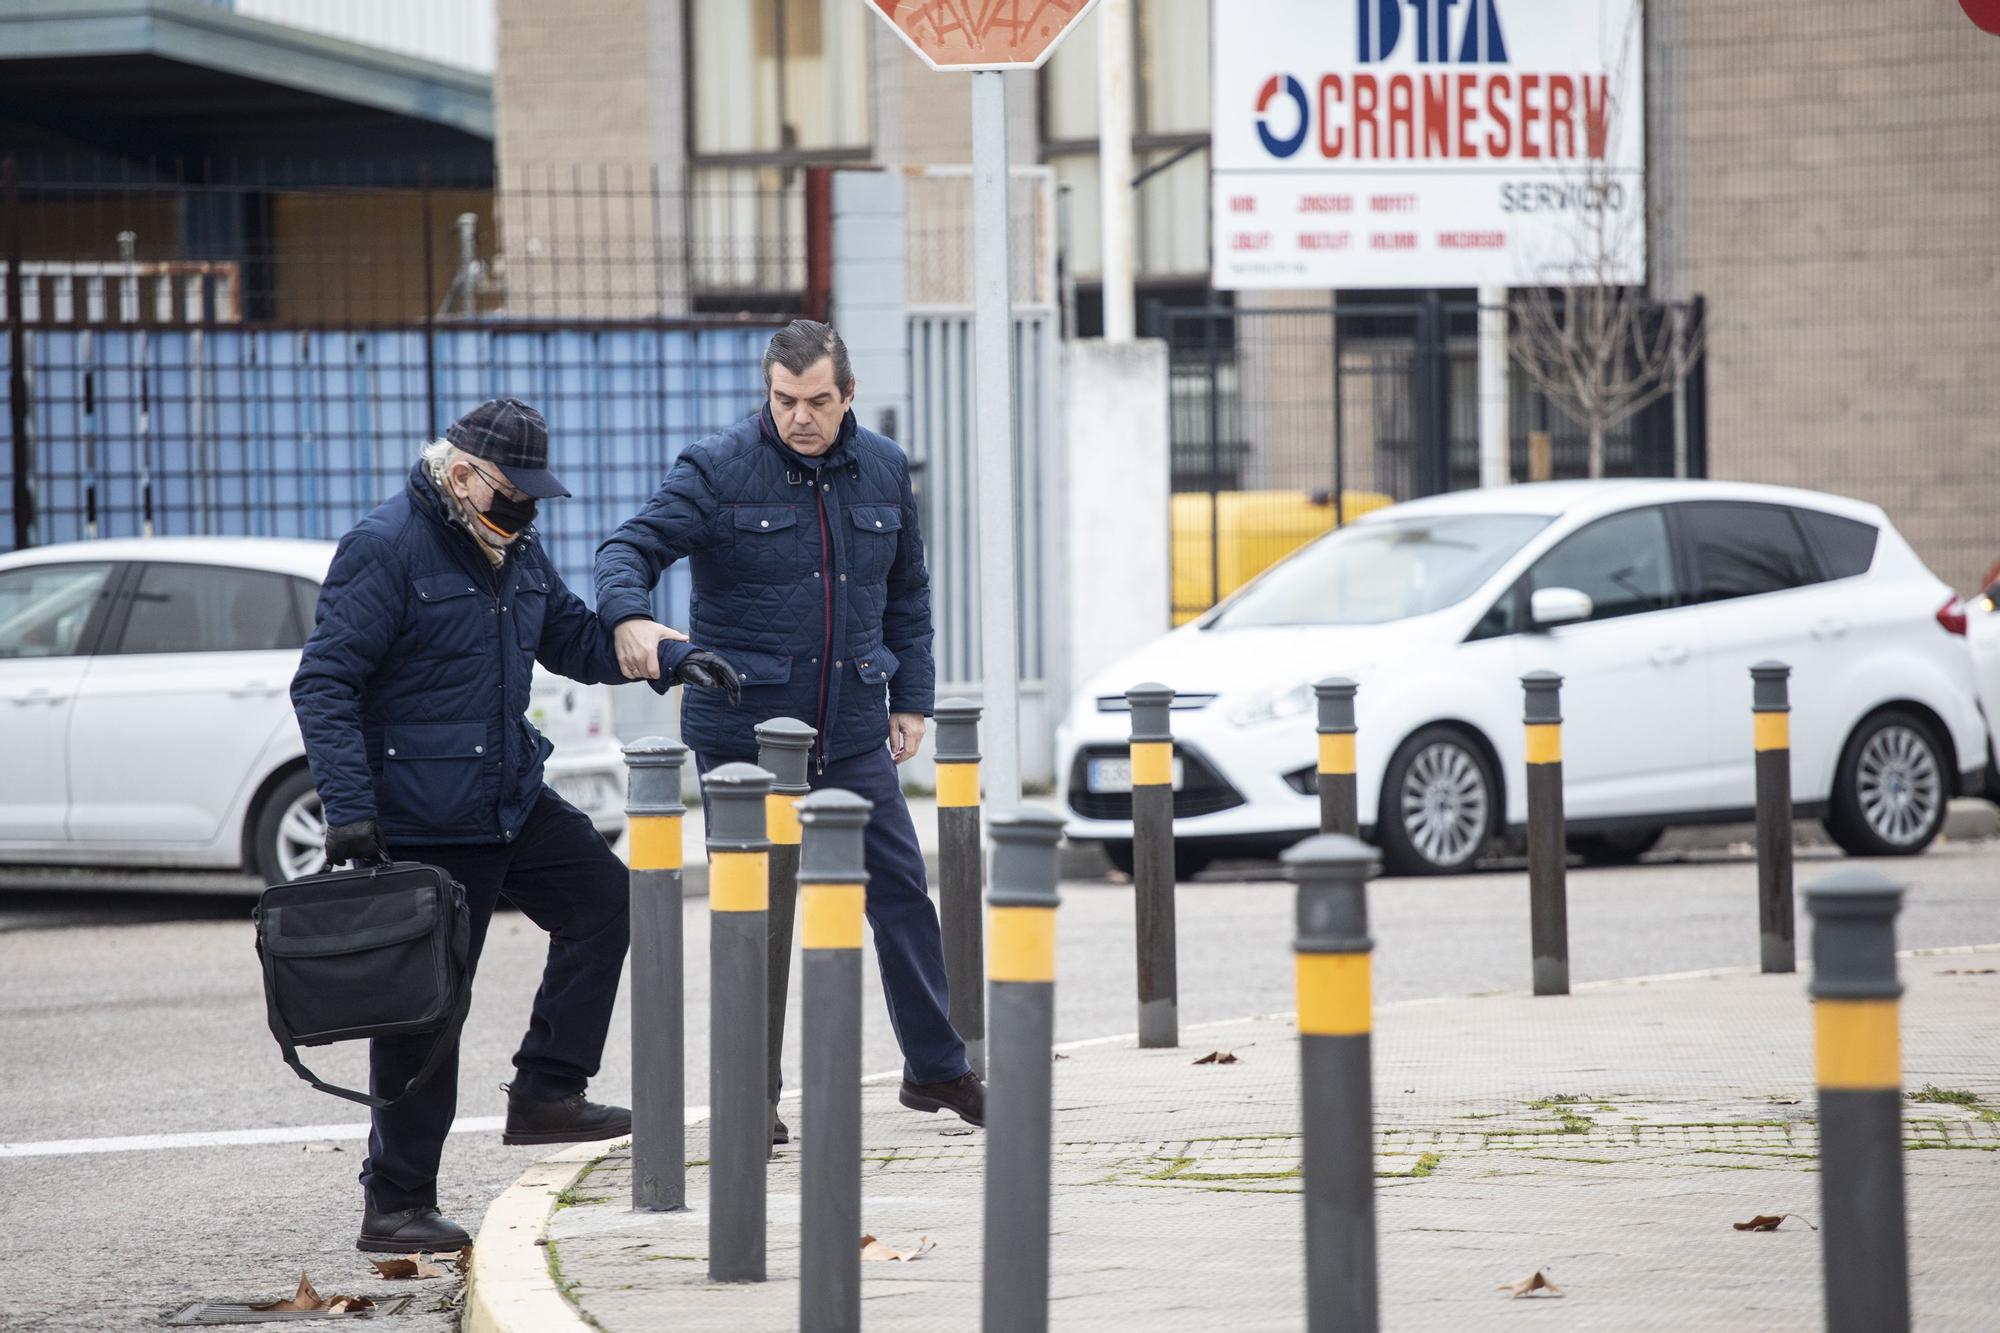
[[504, 514], [508, 516]]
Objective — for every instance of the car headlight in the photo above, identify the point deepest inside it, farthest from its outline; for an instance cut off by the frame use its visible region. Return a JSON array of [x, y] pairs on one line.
[[1274, 705]]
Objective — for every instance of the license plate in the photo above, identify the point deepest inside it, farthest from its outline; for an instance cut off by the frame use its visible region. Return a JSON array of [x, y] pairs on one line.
[[586, 794], [1106, 776]]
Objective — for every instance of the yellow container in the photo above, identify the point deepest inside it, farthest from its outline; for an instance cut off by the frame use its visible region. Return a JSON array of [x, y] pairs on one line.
[[1253, 530]]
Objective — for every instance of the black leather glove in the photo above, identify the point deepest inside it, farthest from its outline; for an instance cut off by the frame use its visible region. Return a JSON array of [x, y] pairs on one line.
[[360, 843], [710, 671]]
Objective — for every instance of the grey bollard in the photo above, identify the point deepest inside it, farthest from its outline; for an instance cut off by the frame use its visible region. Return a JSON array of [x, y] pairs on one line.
[[739, 1121], [1336, 1018], [1339, 797], [1548, 848], [1153, 862], [833, 891], [1772, 706], [1864, 1238], [653, 811], [1021, 963], [783, 746], [960, 873]]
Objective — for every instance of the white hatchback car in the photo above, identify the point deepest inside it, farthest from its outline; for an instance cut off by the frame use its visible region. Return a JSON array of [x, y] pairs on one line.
[[146, 710], [1651, 598]]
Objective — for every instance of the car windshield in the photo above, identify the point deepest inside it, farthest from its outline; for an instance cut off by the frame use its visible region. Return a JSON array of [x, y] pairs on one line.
[[1383, 570]]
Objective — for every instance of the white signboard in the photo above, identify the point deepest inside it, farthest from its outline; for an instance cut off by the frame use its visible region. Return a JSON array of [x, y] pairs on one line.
[[1428, 143]]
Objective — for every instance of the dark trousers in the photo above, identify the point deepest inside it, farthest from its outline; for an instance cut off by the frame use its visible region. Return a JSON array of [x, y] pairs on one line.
[[561, 875], [909, 948]]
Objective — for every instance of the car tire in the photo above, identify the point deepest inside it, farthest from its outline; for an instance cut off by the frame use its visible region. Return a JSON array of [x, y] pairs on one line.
[[1440, 804], [1892, 790], [289, 826], [1188, 861], [1622, 848]]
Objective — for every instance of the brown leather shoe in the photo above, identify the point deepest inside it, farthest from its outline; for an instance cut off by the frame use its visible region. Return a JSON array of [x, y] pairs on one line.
[[964, 1096]]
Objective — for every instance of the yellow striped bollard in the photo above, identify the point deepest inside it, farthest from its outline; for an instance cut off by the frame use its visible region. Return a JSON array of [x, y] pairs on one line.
[[1857, 1046], [1772, 707], [1153, 863], [783, 746], [1339, 800], [653, 811], [959, 873], [1548, 849], [1336, 1018]]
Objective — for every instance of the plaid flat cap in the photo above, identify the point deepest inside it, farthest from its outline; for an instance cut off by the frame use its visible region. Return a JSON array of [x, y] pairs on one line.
[[509, 433]]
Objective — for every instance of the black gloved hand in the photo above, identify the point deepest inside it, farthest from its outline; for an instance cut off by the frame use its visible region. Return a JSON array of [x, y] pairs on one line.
[[360, 843], [711, 671]]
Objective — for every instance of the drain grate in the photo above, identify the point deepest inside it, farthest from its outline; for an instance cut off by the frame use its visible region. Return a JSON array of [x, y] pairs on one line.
[[209, 1313]]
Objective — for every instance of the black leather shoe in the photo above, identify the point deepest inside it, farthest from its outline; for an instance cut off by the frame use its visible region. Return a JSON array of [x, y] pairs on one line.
[[780, 1131], [965, 1096], [569, 1120], [412, 1231]]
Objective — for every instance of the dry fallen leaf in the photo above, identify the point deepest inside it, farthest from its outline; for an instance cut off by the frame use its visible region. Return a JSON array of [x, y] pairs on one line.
[[874, 1249], [1060, 1056], [1218, 1058], [321, 1147], [404, 1270], [348, 1304], [1967, 972], [304, 1299], [1765, 1223], [1533, 1282]]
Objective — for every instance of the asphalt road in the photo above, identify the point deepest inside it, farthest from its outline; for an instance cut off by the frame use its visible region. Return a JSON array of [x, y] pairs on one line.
[[141, 1014]]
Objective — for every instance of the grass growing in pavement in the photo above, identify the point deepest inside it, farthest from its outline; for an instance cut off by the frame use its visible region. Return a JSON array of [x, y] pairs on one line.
[[1933, 1094]]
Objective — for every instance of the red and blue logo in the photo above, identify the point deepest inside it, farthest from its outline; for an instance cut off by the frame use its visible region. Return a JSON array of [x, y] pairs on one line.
[[1276, 145], [1381, 25]]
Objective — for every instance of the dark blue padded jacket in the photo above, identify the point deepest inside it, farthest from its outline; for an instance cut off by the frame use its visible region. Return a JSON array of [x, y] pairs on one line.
[[412, 693], [809, 577]]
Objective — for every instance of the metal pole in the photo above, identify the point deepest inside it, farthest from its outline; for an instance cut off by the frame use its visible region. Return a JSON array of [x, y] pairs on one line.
[[1771, 704], [1864, 1237], [1339, 799], [960, 873], [1548, 850], [1115, 49], [739, 1122], [20, 421], [1335, 998], [1153, 862], [783, 748], [834, 891], [1022, 926], [1493, 468], [653, 811], [993, 345], [430, 306]]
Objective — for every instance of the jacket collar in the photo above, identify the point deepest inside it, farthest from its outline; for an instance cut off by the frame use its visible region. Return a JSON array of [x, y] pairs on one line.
[[426, 499], [768, 430]]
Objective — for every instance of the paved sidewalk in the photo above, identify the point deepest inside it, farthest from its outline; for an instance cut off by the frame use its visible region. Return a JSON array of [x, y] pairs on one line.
[[1610, 1139]]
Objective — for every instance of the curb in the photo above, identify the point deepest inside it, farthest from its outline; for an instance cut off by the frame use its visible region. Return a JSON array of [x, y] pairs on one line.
[[509, 1289]]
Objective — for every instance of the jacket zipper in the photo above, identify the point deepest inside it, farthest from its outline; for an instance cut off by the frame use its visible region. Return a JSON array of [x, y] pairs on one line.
[[826, 649]]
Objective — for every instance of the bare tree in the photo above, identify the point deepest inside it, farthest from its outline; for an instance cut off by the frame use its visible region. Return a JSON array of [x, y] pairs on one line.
[[1583, 331]]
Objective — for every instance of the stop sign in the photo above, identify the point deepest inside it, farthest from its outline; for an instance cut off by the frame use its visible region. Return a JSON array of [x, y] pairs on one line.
[[1986, 13], [983, 34]]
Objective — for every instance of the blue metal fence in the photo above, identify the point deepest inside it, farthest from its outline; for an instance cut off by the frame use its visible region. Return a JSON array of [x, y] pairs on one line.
[[298, 432]]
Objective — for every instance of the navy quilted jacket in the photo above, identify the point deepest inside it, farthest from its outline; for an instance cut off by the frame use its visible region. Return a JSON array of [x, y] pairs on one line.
[[808, 576], [412, 693]]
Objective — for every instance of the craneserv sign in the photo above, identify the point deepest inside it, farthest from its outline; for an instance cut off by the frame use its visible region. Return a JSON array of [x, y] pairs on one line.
[[1427, 143]]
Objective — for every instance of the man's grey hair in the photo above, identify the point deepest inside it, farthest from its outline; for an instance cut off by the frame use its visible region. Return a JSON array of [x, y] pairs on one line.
[[437, 456], [803, 344]]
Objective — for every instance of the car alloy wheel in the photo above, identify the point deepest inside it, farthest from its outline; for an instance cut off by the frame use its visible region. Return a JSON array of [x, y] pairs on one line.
[[301, 837], [1444, 804], [1898, 785]]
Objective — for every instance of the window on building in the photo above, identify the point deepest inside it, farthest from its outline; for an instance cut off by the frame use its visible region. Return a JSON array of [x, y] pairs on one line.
[[775, 85], [1170, 124]]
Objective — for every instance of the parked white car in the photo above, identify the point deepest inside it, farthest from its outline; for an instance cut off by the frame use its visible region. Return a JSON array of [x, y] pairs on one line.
[[1982, 617], [146, 712], [1651, 598]]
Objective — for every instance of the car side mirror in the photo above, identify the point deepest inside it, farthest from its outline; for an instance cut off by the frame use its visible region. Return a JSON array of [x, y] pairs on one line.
[[1550, 607]]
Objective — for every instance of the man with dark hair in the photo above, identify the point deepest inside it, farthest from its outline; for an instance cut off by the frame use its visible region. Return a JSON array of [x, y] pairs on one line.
[[800, 529]]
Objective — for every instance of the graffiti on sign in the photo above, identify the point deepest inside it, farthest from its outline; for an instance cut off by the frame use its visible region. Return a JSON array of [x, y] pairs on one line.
[[983, 34]]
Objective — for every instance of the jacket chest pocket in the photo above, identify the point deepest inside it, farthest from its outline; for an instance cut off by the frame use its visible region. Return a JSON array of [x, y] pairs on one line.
[[451, 618], [770, 546], [872, 545]]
